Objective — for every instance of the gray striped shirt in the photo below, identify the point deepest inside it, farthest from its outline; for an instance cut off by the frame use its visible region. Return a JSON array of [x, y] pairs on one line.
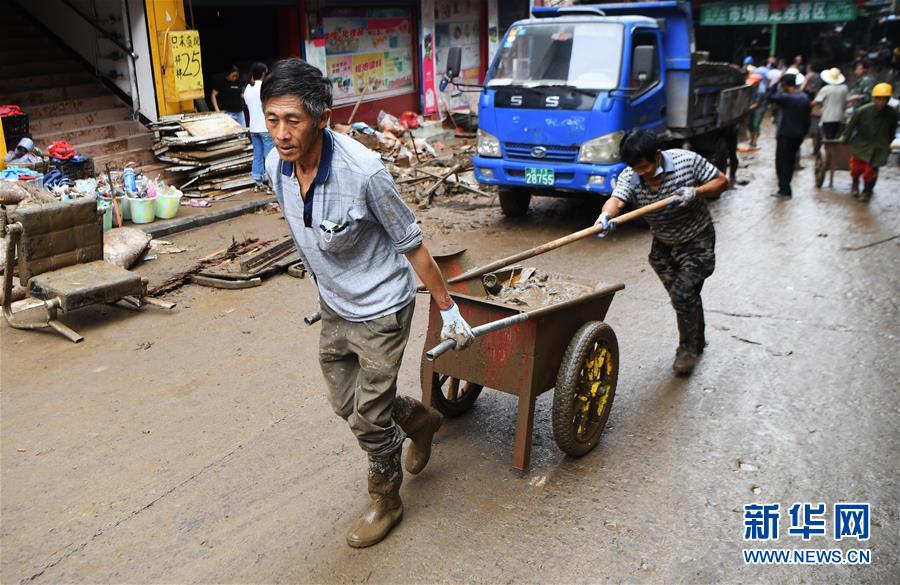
[[360, 269], [680, 168]]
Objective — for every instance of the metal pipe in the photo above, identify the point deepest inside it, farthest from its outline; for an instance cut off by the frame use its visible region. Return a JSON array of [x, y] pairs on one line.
[[313, 317], [87, 18], [135, 91], [448, 344]]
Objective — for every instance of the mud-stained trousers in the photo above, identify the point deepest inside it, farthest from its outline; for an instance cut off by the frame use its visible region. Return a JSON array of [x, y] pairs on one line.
[[683, 269], [360, 362]]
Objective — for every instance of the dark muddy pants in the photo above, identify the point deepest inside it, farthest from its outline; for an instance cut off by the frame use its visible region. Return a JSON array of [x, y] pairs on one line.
[[786, 149], [683, 269], [360, 362]]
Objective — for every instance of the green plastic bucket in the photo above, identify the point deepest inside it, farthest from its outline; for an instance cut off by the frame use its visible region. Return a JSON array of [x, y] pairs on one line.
[[106, 207], [142, 210], [124, 208], [167, 205]]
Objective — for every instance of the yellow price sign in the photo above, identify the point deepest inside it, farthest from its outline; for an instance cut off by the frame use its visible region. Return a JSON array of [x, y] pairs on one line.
[[184, 71]]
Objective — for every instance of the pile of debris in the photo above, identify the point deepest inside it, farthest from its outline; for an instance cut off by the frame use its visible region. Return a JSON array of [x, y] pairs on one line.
[[442, 175], [241, 265], [529, 288], [210, 149]]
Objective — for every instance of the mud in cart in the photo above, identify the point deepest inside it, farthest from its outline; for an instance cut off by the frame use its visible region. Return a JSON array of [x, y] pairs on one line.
[[563, 345]]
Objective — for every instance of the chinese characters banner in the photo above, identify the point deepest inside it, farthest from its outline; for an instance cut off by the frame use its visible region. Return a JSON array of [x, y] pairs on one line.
[[369, 49], [747, 13]]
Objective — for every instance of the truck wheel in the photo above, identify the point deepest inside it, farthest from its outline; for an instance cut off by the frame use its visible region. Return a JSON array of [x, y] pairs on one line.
[[514, 202], [585, 388]]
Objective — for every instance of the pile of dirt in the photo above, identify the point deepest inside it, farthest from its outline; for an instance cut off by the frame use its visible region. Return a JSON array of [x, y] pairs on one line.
[[531, 289]]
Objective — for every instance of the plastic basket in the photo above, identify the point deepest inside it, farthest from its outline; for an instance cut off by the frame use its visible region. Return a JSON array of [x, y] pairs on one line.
[[76, 170], [142, 210], [15, 125]]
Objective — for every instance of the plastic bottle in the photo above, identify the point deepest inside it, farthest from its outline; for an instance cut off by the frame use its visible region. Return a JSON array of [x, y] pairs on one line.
[[128, 178]]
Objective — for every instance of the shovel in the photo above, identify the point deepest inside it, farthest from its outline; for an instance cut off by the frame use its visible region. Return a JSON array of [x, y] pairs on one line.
[[448, 344]]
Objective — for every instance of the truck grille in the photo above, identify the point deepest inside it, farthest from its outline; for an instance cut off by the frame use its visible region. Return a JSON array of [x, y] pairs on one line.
[[555, 153]]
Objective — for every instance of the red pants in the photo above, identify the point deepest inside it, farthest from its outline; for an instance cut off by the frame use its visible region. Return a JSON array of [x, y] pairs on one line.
[[860, 167]]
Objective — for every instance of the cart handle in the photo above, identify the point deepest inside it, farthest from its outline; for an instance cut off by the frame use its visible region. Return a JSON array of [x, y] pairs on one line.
[[448, 344]]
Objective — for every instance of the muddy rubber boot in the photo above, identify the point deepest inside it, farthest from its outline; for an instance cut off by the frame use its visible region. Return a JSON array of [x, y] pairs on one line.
[[686, 354], [854, 187], [685, 360], [385, 509], [867, 192], [420, 423]]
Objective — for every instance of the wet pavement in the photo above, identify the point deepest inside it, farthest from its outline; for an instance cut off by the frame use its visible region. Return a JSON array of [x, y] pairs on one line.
[[197, 445]]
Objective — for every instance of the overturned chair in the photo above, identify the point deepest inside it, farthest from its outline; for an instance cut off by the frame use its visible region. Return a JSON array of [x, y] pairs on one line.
[[60, 262]]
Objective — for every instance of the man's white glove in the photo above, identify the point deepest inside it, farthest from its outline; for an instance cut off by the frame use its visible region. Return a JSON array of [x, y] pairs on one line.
[[456, 328], [607, 223], [685, 196]]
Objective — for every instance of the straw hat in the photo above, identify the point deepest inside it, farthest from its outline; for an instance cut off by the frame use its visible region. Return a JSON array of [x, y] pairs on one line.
[[832, 76]]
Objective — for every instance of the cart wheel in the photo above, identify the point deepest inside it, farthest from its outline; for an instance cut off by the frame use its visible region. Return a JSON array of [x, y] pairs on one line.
[[451, 396], [585, 388], [820, 170]]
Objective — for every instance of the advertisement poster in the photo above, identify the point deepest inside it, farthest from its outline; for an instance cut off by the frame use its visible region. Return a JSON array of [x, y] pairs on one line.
[[429, 87], [368, 72], [369, 49], [458, 24], [340, 72], [398, 71]]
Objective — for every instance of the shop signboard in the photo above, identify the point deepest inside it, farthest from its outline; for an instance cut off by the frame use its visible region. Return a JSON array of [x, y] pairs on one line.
[[760, 13], [183, 74]]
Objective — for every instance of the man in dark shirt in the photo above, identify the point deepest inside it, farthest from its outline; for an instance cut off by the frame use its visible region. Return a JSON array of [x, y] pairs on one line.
[[227, 95], [792, 128]]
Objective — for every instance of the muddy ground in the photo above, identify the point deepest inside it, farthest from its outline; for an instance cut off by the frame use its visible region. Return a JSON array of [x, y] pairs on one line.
[[197, 445]]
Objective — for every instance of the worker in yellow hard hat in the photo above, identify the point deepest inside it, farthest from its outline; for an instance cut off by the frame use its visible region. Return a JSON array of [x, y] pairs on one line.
[[869, 133]]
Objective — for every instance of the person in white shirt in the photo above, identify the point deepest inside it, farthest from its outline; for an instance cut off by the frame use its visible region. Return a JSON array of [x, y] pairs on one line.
[[259, 135], [833, 100]]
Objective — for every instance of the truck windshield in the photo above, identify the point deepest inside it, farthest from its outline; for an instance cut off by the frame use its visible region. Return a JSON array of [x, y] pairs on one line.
[[583, 55]]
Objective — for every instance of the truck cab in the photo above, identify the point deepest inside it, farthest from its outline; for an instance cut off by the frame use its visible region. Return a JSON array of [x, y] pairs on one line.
[[565, 86]]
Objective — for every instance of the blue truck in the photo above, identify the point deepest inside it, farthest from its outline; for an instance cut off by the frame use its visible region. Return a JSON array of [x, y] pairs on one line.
[[567, 83]]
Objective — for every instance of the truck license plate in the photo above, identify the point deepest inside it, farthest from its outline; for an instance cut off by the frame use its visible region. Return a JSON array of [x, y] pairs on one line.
[[543, 177]]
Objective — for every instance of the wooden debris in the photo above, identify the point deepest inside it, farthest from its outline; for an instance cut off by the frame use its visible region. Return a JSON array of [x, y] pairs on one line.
[[209, 148]]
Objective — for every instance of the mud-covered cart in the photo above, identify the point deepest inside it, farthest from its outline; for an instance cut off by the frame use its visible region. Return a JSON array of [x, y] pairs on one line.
[[834, 156], [564, 345]]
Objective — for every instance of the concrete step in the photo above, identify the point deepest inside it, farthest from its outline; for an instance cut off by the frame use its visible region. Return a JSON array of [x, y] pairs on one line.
[[16, 84], [29, 99], [83, 119], [63, 107], [38, 68], [119, 129], [114, 146], [137, 156]]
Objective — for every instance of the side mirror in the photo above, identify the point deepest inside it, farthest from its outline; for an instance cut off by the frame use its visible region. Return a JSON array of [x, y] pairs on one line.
[[454, 61], [642, 64]]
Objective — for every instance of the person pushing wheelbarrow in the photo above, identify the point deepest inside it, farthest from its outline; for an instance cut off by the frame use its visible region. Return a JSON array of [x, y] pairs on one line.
[[684, 239], [361, 244]]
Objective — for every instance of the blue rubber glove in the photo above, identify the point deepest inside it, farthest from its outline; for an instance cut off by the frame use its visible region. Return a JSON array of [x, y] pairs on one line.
[[607, 223], [685, 196]]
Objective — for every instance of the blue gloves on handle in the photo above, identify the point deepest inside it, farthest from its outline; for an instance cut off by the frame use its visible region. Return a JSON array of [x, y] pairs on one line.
[[607, 223], [685, 196]]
